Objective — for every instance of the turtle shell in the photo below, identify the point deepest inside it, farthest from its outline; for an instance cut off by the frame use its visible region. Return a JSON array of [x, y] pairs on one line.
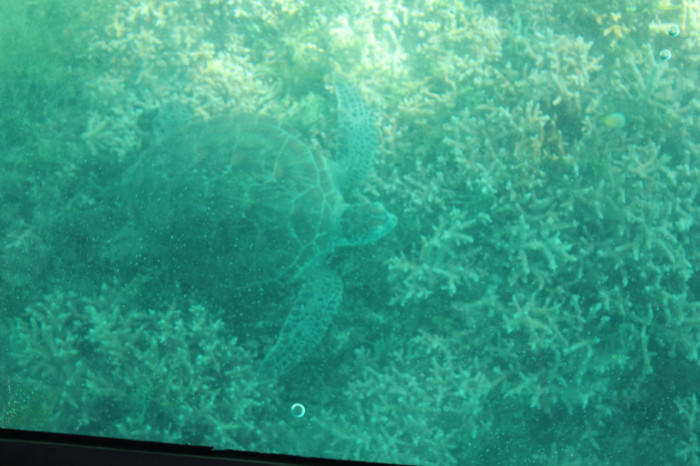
[[237, 197]]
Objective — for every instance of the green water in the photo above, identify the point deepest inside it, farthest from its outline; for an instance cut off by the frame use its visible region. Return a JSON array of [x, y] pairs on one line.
[[538, 301]]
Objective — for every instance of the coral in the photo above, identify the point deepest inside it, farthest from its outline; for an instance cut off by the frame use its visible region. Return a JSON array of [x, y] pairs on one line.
[[467, 182], [105, 367], [421, 387], [541, 290], [570, 243], [203, 63], [689, 450]]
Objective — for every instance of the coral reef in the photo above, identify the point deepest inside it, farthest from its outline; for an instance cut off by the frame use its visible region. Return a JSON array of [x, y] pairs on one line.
[[689, 450], [539, 298], [104, 367], [446, 397]]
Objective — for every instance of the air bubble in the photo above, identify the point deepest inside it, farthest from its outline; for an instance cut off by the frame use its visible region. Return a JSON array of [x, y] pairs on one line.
[[674, 30], [665, 54], [298, 410]]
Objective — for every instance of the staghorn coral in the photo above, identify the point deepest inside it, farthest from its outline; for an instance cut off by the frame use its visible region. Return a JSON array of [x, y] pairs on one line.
[[105, 367], [689, 450], [203, 61], [578, 238], [424, 386], [473, 175], [543, 279]]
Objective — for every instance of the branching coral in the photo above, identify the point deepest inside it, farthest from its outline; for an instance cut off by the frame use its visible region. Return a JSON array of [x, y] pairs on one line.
[[426, 385], [202, 60], [544, 271], [122, 371], [689, 450], [580, 238]]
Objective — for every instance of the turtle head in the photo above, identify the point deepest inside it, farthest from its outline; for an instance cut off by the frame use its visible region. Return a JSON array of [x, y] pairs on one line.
[[364, 223]]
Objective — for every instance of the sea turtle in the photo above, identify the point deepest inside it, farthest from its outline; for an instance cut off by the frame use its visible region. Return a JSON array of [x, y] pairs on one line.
[[240, 200]]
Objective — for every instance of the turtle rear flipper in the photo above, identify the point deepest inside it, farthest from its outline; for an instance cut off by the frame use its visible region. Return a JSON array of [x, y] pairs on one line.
[[312, 313]]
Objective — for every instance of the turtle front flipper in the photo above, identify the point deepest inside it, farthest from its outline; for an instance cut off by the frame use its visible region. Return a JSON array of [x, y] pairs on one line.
[[312, 313], [358, 140]]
